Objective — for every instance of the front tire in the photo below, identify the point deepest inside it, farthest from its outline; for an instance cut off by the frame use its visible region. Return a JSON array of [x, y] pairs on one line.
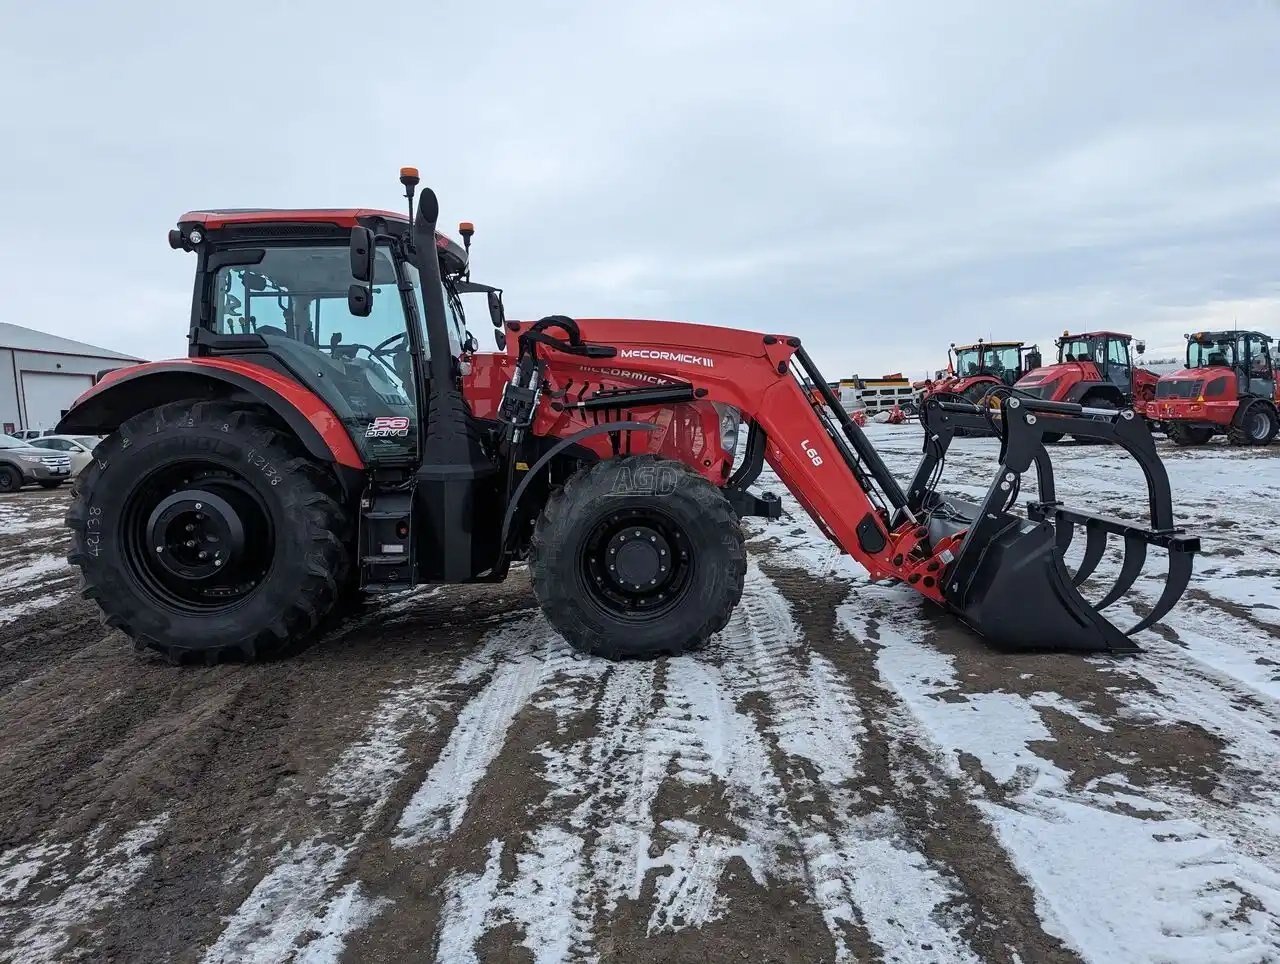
[[1256, 425], [52, 484], [202, 533], [1187, 435], [10, 479], [638, 556]]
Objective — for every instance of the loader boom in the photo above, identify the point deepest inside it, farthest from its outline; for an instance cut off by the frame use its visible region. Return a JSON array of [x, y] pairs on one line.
[[841, 482], [1002, 573]]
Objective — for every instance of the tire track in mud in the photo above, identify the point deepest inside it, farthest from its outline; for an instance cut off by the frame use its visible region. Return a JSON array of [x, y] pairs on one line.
[[233, 754], [909, 791], [724, 777], [1069, 765]]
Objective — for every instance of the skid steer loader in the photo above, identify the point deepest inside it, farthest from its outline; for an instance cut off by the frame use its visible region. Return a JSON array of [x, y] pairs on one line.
[[335, 430]]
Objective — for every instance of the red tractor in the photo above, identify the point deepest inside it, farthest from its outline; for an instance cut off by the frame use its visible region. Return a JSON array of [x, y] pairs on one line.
[[1229, 387], [334, 431], [1094, 370], [973, 371]]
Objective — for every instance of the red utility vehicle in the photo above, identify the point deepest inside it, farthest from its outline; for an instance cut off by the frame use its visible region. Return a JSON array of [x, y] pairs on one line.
[[335, 430], [1229, 387]]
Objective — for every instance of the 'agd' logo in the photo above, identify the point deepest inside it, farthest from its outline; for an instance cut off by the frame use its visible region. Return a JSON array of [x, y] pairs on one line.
[[388, 426], [652, 480]]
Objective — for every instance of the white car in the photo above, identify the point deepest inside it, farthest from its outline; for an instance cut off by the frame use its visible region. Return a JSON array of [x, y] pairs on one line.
[[79, 447]]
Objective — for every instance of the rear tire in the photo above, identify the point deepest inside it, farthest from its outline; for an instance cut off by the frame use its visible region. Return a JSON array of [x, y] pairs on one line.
[[1256, 425], [270, 514], [638, 556], [1187, 435]]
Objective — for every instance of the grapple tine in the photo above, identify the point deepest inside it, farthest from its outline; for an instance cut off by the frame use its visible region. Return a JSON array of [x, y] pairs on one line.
[[1063, 536], [1095, 545], [1179, 576], [1135, 554]]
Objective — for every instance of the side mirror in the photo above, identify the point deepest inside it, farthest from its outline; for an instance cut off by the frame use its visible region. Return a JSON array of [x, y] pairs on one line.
[[1141, 346], [497, 314], [360, 300], [362, 255], [1033, 360]]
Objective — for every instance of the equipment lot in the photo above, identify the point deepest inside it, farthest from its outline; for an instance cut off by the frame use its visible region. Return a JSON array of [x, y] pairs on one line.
[[845, 773]]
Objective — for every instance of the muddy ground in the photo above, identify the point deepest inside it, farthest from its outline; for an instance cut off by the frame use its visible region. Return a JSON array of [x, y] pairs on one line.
[[844, 774]]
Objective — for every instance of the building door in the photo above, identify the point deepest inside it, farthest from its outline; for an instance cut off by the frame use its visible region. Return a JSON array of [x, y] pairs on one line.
[[46, 395]]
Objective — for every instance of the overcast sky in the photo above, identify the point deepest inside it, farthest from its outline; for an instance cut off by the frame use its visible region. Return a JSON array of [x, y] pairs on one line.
[[877, 178]]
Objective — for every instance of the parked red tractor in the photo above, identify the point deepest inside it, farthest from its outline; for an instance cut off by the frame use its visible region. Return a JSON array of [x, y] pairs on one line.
[[1229, 387], [973, 371], [334, 429], [1095, 370]]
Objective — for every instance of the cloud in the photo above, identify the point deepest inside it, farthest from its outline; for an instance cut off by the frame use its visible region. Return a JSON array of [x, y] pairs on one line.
[[879, 179]]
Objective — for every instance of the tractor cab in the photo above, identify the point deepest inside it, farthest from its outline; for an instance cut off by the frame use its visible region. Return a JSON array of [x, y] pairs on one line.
[[273, 287], [1106, 351], [1005, 361], [1244, 356]]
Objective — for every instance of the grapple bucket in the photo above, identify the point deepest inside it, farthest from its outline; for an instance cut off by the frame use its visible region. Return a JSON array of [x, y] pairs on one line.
[[1008, 577]]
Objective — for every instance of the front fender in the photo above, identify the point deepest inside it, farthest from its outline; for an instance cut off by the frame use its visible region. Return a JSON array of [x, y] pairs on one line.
[[127, 392]]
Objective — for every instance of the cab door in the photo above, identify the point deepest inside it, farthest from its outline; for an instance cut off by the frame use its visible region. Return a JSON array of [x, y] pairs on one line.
[[1118, 369], [1259, 369], [295, 299]]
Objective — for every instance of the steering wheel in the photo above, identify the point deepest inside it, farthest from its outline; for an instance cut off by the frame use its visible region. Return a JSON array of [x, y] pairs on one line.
[[384, 347]]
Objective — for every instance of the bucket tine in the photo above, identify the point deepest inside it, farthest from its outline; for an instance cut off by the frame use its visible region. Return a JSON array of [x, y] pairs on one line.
[[1179, 576], [1135, 554], [1095, 544]]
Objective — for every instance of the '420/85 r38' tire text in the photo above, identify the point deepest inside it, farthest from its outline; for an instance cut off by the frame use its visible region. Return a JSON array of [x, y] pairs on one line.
[[638, 556], [201, 532]]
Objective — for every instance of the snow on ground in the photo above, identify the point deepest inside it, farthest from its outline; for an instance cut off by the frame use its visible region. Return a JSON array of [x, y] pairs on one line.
[[844, 773]]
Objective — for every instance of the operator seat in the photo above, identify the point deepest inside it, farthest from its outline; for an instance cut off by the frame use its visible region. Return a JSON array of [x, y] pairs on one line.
[[1217, 358]]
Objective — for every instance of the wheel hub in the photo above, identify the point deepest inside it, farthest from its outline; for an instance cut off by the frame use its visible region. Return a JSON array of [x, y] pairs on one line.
[[1260, 425], [640, 559], [194, 534]]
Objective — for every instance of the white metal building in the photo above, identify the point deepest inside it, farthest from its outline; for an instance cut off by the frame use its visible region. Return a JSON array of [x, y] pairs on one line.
[[42, 374]]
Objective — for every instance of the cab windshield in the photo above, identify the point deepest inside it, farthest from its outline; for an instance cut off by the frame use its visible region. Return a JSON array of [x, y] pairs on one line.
[[1206, 354], [991, 360], [1082, 350]]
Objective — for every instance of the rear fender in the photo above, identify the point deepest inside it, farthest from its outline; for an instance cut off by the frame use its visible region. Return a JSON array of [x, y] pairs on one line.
[[1103, 389], [127, 392]]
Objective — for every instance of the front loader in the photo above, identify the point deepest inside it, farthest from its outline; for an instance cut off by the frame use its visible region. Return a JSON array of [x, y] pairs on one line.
[[335, 432]]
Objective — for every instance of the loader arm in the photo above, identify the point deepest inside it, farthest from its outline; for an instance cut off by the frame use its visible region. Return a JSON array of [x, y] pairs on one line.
[[841, 481], [1002, 573]]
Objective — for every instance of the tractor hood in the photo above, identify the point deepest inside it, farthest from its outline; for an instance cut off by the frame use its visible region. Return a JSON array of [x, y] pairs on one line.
[[1185, 374], [1077, 371]]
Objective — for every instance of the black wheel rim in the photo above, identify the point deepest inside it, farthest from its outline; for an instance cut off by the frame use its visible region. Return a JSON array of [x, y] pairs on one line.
[[197, 537], [637, 564], [6, 482]]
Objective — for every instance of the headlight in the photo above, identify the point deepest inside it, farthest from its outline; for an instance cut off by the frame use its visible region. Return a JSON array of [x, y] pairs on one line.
[[31, 458], [730, 419]]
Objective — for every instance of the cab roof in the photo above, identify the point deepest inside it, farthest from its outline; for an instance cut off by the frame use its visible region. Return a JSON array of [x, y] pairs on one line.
[[214, 218], [991, 344], [1224, 335]]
